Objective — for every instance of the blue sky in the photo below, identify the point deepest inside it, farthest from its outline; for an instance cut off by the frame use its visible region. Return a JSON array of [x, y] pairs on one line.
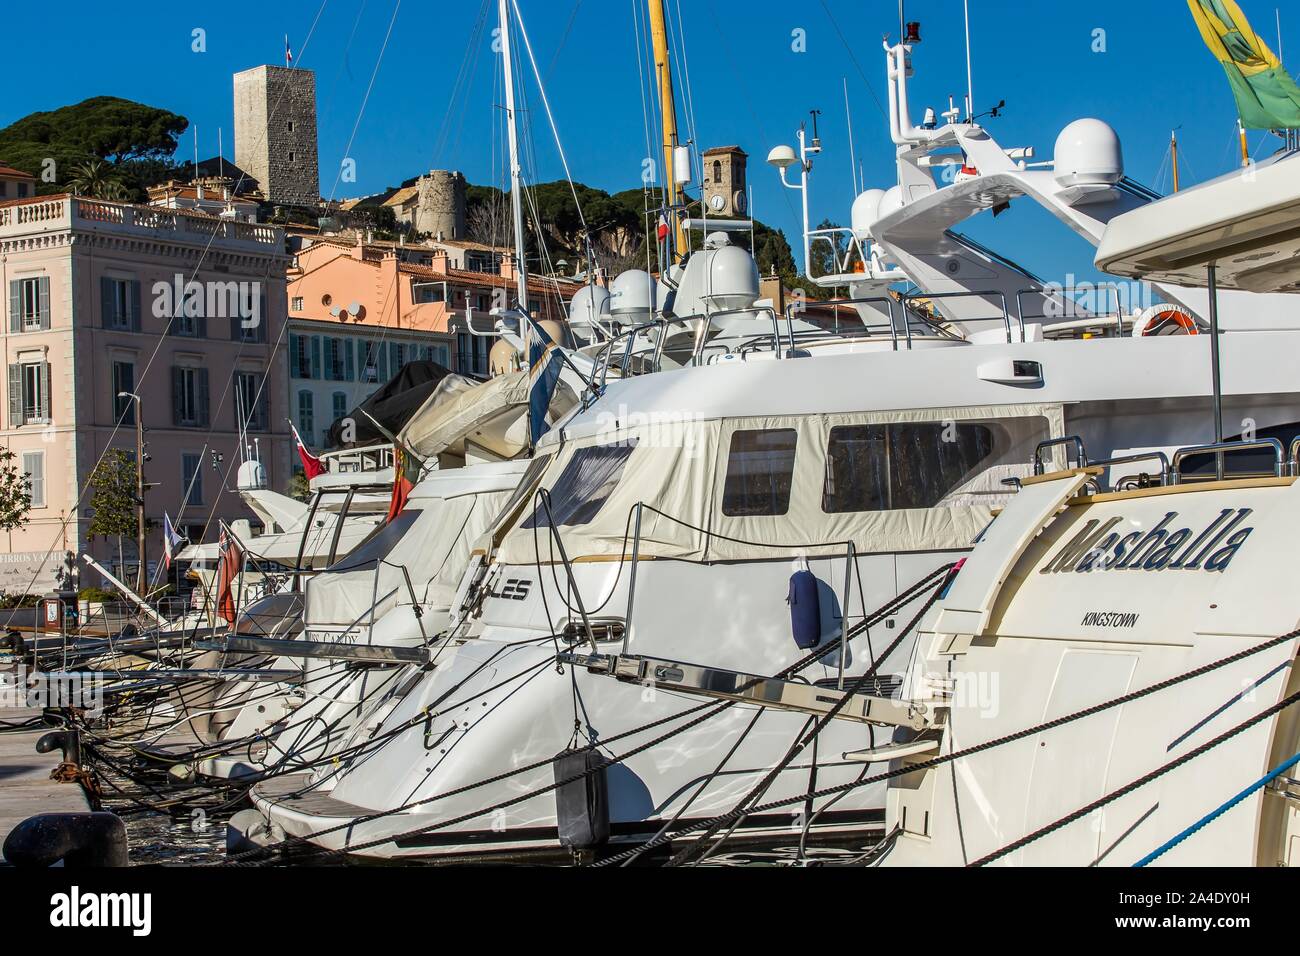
[[748, 86]]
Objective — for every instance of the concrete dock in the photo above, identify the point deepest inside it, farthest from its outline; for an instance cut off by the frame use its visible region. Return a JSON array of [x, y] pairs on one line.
[[25, 785]]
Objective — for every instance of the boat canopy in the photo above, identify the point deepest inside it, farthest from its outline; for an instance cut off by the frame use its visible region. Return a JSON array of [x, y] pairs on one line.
[[1246, 223], [763, 487]]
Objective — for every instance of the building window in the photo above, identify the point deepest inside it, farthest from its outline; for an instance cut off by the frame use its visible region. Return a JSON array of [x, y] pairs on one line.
[[340, 405], [336, 359], [301, 352], [251, 402], [123, 404], [22, 191], [4, 189], [29, 304], [306, 417], [296, 303], [370, 367], [191, 479], [189, 397], [34, 469], [29, 393], [717, 171], [291, 157], [760, 470], [291, 130], [119, 304], [423, 293]]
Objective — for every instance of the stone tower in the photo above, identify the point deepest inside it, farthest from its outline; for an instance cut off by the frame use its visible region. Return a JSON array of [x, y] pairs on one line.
[[440, 206], [275, 132], [724, 181]]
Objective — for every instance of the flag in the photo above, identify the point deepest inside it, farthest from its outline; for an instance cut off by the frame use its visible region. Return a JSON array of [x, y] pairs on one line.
[[544, 362], [230, 563], [171, 541], [406, 472], [662, 231], [312, 465], [288, 52], [1267, 97]]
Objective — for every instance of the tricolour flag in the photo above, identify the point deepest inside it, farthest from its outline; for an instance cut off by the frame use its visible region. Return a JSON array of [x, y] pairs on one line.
[[1267, 97], [171, 541], [406, 472], [288, 52], [311, 464]]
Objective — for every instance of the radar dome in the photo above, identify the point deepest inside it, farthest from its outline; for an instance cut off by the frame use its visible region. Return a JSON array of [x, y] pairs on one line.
[[866, 210], [890, 202], [1088, 154], [251, 476], [632, 293], [501, 359], [732, 279], [589, 304]]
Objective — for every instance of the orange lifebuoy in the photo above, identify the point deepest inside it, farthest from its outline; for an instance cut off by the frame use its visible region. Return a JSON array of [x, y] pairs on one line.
[[1166, 320]]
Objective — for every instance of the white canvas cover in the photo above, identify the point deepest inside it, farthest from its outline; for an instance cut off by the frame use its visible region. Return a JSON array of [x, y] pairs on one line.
[[679, 470], [436, 536]]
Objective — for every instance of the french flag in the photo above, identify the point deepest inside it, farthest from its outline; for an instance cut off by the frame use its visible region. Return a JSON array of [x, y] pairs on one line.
[[288, 52]]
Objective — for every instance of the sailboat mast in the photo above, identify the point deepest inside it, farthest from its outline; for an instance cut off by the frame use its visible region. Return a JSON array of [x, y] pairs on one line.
[[668, 114], [516, 190]]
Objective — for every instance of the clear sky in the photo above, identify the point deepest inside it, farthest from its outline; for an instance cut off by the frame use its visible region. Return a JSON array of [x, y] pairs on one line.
[[433, 95]]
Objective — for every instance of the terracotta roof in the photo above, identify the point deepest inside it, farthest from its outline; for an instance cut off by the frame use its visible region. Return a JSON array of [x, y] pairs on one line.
[[725, 149], [10, 171], [401, 196]]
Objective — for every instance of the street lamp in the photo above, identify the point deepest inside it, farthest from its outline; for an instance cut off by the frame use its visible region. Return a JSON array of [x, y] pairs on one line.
[[142, 580]]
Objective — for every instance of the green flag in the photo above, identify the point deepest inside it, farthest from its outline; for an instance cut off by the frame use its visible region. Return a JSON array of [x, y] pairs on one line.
[[1267, 97]]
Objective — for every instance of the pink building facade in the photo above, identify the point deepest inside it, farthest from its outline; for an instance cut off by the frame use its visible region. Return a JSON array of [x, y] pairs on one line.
[[184, 310]]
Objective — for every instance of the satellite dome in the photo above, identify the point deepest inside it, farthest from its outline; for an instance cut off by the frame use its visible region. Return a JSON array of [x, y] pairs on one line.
[[1088, 154], [866, 210], [589, 304], [251, 476], [732, 278], [890, 202], [632, 293]]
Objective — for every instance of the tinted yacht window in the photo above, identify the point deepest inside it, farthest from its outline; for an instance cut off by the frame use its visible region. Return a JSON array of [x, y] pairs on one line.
[[584, 485], [760, 468], [378, 543], [912, 465]]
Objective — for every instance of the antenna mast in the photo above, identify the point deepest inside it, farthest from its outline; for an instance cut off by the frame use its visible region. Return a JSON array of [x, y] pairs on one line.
[[970, 85], [668, 111], [516, 185]]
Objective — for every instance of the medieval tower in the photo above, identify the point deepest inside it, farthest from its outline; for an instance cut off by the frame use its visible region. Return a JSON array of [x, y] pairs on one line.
[[440, 210], [275, 132]]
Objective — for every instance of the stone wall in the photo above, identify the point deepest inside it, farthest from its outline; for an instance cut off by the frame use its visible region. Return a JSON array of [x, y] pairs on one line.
[[440, 208]]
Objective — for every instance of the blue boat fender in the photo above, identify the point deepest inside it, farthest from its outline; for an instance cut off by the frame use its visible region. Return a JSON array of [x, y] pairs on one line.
[[805, 608]]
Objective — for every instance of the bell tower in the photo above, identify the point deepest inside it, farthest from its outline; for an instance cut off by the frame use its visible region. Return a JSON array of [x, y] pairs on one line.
[[724, 181]]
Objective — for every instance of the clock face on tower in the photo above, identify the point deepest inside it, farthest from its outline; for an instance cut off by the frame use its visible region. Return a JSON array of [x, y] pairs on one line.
[[739, 202], [718, 203]]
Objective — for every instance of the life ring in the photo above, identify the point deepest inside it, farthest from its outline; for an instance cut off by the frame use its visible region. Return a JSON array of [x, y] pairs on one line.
[[1166, 319]]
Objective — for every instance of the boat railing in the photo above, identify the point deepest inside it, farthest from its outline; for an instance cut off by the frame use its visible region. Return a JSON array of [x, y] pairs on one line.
[[994, 293], [1223, 448], [1063, 293]]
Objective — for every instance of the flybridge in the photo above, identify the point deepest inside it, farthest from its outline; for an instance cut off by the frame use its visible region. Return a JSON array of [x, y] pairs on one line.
[[1100, 548]]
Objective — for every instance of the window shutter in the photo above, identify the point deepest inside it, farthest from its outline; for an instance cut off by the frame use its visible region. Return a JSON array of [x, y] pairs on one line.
[[201, 326], [202, 377], [259, 333], [15, 306], [294, 370], [235, 321], [43, 285], [15, 395], [177, 390], [349, 371], [133, 299], [46, 412], [315, 356], [106, 302]]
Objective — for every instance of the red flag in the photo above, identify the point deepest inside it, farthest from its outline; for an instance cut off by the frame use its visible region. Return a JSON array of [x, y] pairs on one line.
[[402, 485], [229, 565], [312, 465], [663, 227]]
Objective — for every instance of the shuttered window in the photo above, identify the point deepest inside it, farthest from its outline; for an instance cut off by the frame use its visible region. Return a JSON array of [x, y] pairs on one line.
[[251, 402], [306, 417], [119, 304], [29, 304], [34, 469], [190, 397], [123, 382], [191, 479], [29, 393]]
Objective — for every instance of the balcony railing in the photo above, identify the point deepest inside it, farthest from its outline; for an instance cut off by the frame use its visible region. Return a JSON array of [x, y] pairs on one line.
[[162, 223]]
